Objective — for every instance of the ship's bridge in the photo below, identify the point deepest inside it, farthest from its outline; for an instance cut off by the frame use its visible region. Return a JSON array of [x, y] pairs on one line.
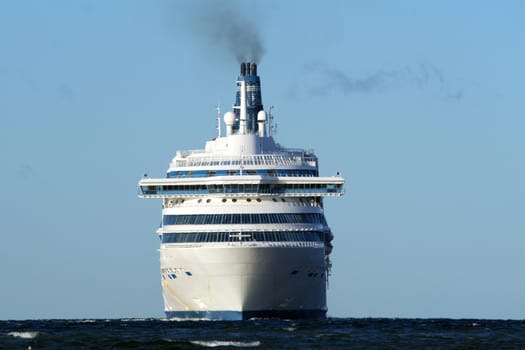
[[242, 186]]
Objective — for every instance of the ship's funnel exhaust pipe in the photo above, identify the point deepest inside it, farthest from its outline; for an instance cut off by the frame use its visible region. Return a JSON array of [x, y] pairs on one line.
[[243, 69], [247, 101], [248, 69]]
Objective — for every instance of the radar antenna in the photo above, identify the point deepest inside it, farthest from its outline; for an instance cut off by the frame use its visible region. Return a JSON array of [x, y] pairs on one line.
[[271, 128], [218, 108]]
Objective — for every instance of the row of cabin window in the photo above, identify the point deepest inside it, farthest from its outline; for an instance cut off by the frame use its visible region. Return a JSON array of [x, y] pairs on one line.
[[277, 236], [249, 218], [265, 172]]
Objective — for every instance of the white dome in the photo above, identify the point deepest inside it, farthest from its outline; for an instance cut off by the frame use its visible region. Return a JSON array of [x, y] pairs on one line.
[[261, 116], [229, 118]]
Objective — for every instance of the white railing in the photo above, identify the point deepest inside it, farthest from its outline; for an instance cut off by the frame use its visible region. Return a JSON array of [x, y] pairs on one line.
[[267, 160], [245, 244]]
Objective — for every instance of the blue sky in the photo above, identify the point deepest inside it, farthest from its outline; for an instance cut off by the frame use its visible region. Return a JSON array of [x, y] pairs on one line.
[[418, 104]]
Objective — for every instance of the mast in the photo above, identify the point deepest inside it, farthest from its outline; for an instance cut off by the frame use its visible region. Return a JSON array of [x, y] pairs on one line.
[[219, 129]]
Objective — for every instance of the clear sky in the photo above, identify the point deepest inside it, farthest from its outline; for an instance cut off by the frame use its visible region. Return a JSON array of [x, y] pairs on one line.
[[419, 104]]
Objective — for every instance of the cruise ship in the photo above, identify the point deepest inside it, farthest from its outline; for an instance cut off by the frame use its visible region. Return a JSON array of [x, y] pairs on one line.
[[243, 232]]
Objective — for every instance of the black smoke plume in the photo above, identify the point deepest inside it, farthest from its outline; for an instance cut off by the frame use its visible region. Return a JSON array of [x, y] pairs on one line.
[[222, 26]]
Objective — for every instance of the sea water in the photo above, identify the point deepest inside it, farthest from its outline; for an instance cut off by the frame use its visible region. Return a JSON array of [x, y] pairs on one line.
[[332, 333]]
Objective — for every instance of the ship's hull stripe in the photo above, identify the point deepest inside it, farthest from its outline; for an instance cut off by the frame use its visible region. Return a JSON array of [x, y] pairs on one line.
[[246, 315]]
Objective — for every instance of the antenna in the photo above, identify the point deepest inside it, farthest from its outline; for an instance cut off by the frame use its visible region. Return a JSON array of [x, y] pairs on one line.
[[270, 121], [218, 108]]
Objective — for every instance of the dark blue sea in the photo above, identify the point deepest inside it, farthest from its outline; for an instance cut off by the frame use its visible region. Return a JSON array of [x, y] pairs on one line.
[[333, 333]]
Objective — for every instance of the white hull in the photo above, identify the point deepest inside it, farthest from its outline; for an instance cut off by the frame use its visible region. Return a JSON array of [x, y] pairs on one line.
[[236, 280]]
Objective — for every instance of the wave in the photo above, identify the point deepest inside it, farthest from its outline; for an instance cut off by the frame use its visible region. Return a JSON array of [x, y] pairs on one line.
[[87, 320], [24, 335], [184, 319], [137, 319], [216, 343]]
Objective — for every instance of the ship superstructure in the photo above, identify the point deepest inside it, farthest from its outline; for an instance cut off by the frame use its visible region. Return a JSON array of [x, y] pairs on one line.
[[243, 231]]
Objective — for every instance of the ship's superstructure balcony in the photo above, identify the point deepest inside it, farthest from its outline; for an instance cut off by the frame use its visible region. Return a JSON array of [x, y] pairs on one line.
[[242, 185], [223, 172]]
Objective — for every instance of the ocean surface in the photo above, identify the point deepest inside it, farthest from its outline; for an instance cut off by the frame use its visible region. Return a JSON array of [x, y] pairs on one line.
[[333, 333]]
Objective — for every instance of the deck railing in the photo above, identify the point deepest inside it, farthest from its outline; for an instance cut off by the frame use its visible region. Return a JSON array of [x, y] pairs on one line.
[[194, 159]]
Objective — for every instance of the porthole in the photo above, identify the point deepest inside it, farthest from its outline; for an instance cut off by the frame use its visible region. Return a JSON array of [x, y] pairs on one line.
[[282, 199], [248, 199], [208, 200], [200, 200], [258, 200], [234, 200], [224, 200], [273, 199]]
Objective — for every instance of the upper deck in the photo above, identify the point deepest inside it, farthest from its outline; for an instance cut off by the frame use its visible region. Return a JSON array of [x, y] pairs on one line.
[[287, 158]]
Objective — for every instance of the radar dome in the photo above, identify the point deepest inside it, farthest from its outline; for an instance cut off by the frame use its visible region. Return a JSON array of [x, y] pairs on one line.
[[261, 116], [229, 118]]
